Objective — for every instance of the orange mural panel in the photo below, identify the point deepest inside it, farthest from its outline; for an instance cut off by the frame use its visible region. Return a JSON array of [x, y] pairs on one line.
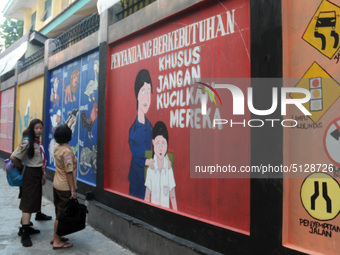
[[311, 202]]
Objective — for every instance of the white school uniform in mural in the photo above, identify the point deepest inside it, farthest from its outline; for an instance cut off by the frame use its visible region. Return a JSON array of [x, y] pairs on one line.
[[160, 182]]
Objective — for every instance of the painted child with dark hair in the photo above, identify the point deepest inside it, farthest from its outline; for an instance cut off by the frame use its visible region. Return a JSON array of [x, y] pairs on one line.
[[140, 135], [160, 182]]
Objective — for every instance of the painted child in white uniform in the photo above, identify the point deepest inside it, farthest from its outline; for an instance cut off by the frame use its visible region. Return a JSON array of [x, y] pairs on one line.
[[160, 182]]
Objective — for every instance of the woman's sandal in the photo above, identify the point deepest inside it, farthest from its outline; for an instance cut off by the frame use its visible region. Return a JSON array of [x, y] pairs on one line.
[[63, 239], [65, 245]]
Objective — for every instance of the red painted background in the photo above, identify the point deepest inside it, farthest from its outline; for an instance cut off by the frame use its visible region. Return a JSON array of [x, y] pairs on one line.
[[6, 119], [224, 202]]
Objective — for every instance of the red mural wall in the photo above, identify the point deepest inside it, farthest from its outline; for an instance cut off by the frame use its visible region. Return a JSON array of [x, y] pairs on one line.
[[6, 119], [210, 41]]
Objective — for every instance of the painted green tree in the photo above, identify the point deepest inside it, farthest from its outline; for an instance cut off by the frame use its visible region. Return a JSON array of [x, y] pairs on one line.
[[11, 30]]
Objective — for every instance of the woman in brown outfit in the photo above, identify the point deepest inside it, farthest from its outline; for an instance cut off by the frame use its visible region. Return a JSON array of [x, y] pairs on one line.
[[64, 182]]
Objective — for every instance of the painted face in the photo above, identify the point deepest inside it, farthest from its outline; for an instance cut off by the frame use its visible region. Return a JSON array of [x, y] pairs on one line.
[[144, 98], [160, 146], [38, 130]]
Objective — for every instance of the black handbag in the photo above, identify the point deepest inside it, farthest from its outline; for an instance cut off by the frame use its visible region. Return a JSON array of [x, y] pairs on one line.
[[72, 218]]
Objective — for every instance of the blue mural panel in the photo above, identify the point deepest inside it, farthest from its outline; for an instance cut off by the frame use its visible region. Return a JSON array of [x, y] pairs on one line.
[[88, 118], [76, 105], [54, 112]]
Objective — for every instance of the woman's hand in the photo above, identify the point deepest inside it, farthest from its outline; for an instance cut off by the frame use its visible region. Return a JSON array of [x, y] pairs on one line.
[[44, 175], [73, 194], [16, 162]]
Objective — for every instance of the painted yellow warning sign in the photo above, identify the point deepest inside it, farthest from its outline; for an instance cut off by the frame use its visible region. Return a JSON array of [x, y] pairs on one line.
[[323, 88], [320, 194], [323, 30]]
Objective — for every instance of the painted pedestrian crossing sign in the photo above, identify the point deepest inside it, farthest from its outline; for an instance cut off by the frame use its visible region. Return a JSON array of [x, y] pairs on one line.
[[320, 194], [323, 31]]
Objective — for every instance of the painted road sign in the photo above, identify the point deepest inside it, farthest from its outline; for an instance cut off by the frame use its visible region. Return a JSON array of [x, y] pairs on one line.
[[332, 142], [324, 91], [320, 194], [323, 30]]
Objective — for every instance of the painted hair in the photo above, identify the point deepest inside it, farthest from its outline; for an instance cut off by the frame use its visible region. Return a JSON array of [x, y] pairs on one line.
[[31, 136], [142, 77], [160, 129], [63, 134]]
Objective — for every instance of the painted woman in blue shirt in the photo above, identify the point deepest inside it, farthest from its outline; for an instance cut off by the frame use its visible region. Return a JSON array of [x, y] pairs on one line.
[[140, 135]]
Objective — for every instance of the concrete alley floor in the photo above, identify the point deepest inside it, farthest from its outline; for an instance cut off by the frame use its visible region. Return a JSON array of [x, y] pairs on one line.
[[87, 241]]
